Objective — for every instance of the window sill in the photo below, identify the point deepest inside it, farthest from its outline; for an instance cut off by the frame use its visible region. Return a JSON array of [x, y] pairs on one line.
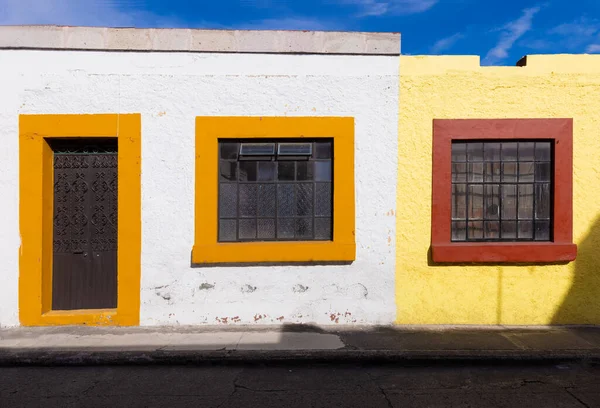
[[273, 252], [504, 252]]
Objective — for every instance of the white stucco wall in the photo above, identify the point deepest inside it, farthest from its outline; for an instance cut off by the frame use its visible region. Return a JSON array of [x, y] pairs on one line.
[[170, 90]]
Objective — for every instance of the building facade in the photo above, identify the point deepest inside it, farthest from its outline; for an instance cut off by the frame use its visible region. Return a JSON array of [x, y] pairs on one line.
[[163, 177]]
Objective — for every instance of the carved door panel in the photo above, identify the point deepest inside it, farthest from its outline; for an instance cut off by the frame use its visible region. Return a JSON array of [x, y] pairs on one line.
[[84, 274]]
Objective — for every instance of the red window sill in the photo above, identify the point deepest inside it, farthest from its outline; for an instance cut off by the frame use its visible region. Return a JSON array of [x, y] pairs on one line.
[[503, 252]]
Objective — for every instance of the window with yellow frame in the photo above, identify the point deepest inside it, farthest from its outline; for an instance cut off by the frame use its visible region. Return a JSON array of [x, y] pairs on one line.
[[274, 189]]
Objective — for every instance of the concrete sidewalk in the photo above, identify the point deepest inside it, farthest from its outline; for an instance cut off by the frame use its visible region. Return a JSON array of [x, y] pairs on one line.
[[183, 345]]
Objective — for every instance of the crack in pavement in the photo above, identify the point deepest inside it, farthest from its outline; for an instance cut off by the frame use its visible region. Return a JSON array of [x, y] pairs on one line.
[[380, 388], [568, 390]]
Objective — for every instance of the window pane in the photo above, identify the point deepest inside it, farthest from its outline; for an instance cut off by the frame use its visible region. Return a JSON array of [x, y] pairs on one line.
[[323, 150], [459, 172], [285, 228], [475, 152], [543, 151], [526, 151], [459, 152], [543, 171], [229, 150], [459, 231], [525, 229], [294, 149], [266, 171], [542, 201], [492, 172], [285, 200], [228, 200], [304, 199], [247, 170], [285, 171], [475, 202], [248, 196], [492, 230], [266, 229], [459, 201], [476, 230], [491, 151], [304, 228], [492, 201], [228, 170], [509, 172], [247, 229], [509, 201], [267, 200], [323, 228], [323, 171], [257, 149], [304, 170], [476, 172], [526, 171], [509, 230], [323, 199], [526, 201], [542, 230], [509, 151], [227, 230]]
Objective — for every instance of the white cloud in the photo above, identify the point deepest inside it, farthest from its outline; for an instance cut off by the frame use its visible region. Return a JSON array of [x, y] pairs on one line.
[[578, 28], [575, 36], [446, 43], [510, 33], [393, 7], [593, 49]]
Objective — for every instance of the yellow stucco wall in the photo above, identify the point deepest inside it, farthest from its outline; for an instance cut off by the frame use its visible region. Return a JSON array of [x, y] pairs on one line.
[[558, 86]]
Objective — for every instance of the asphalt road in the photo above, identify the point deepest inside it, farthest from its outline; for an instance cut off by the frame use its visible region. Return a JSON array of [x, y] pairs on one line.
[[306, 385]]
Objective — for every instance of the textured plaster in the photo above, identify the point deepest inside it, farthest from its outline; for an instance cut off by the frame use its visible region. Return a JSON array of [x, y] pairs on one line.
[[170, 90], [562, 86]]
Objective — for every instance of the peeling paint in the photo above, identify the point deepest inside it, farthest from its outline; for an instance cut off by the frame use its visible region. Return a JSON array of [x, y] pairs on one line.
[[206, 286], [299, 288], [248, 289]]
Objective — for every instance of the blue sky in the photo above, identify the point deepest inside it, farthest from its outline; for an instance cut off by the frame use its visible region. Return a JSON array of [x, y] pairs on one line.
[[501, 31]]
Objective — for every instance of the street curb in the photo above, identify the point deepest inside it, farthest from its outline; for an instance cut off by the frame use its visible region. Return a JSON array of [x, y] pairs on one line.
[[49, 358]]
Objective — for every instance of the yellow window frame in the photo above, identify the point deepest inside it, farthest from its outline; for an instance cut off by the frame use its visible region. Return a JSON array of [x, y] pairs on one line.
[[36, 177], [210, 129]]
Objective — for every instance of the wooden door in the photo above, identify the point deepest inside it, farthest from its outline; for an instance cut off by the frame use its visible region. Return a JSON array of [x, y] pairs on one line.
[[84, 274]]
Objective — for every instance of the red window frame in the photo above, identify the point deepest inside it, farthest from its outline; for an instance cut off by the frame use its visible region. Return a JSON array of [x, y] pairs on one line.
[[560, 249]]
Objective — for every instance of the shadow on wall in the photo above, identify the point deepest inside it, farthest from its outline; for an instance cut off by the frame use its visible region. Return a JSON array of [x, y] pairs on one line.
[[581, 305]]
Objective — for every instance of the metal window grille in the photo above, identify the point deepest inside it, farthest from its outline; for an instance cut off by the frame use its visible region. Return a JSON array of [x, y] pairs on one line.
[[275, 190], [502, 191]]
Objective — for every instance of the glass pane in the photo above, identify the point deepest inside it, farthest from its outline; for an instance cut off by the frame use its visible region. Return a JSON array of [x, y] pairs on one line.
[[543, 171], [304, 228], [475, 152], [304, 170], [509, 172], [294, 149], [248, 170], [492, 172], [227, 230], [476, 172], [459, 201], [459, 152], [526, 201], [475, 202], [266, 229], [227, 200], [509, 230], [526, 171], [542, 201], [491, 151], [228, 170], [323, 199], [266, 171], [492, 230], [323, 171], [267, 200], [285, 200], [323, 228], [323, 150], [304, 199], [257, 149], [509, 151], [285, 228], [459, 172], [492, 202], [542, 231], [509, 201], [543, 151], [247, 229], [459, 231], [285, 171], [526, 151], [525, 229], [248, 200], [476, 230], [228, 150]]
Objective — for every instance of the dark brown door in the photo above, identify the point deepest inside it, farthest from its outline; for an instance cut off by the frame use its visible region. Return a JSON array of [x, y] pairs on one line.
[[84, 274]]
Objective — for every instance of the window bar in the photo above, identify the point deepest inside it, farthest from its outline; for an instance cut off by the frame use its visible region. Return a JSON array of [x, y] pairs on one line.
[[533, 217], [517, 195], [500, 191]]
